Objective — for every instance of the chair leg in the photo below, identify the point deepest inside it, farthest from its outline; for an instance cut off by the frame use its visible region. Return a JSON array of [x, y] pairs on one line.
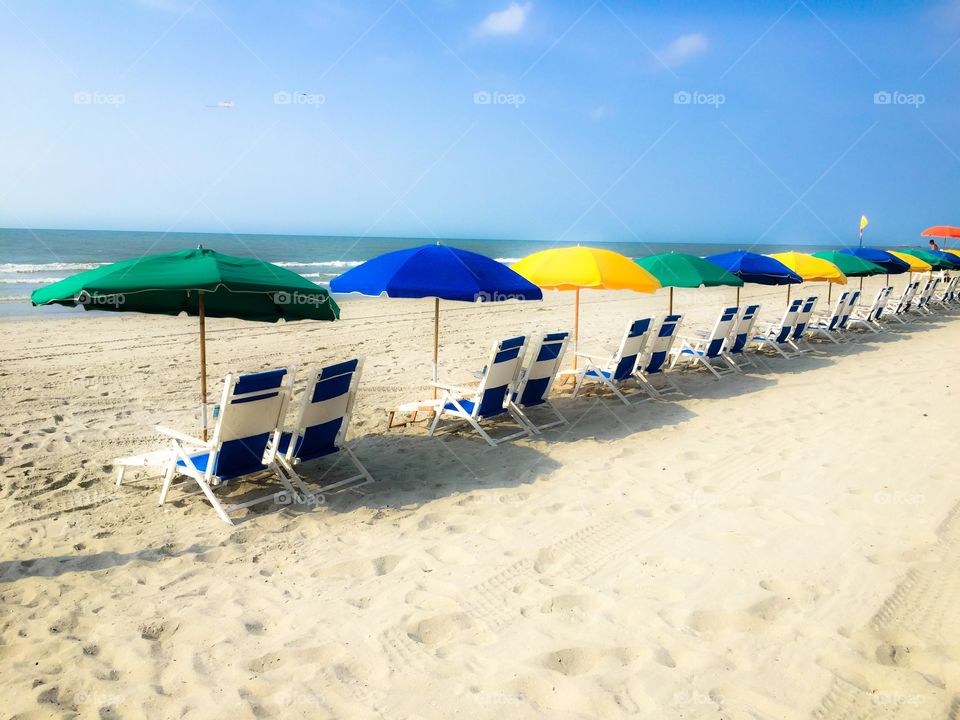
[[167, 480], [208, 491]]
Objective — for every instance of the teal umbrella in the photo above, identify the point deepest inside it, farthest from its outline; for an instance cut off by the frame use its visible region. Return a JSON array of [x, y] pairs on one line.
[[688, 271], [201, 283]]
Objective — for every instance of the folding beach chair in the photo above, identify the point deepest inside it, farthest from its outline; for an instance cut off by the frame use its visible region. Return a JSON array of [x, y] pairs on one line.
[[829, 326], [803, 319], [248, 423], [617, 369], [735, 352], [321, 426], [536, 380], [704, 351], [777, 336], [923, 299], [949, 294], [896, 309], [844, 325], [490, 399], [869, 317], [653, 361]]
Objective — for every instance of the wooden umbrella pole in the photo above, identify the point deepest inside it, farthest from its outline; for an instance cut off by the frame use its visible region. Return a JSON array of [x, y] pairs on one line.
[[738, 297], [436, 342], [671, 300], [830, 292], [576, 326], [203, 365]]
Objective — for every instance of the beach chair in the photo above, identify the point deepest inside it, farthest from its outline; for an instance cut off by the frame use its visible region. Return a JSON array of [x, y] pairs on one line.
[[653, 361], [950, 292], [844, 325], [704, 351], [803, 319], [321, 426], [615, 371], [895, 309], [829, 326], [777, 335], [869, 317], [536, 380], [490, 399], [735, 352], [248, 422], [923, 299]]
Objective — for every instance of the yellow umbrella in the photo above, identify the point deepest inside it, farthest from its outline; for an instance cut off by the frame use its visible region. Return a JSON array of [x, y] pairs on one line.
[[810, 268], [575, 268], [953, 252], [916, 264]]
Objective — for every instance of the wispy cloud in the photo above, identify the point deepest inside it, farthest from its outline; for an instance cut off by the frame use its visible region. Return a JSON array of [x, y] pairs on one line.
[[509, 21], [683, 49]]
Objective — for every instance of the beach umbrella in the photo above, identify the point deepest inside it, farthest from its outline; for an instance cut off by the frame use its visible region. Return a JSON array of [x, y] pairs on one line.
[[891, 264], [942, 231], [935, 259], [850, 265], [953, 252], [914, 264], [810, 268], [440, 272], [755, 268], [687, 271], [578, 268], [201, 283]]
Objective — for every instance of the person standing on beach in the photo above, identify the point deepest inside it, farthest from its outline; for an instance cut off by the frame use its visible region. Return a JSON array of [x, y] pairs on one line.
[[933, 244]]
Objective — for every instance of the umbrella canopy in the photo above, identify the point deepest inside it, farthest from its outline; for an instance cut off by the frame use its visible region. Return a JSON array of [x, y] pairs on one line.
[[851, 265], [914, 264], [688, 271], [953, 252], [576, 268], [755, 268], [942, 231], [891, 264], [198, 282], [936, 260], [810, 268], [440, 272]]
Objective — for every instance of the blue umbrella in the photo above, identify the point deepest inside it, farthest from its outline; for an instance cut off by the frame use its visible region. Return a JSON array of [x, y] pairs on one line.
[[755, 268], [891, 263], [950, 258], [439, 272]]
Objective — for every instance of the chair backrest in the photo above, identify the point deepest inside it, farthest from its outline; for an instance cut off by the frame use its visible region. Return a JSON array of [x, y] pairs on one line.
[[927, 293], [789, 321], [499, 377], [854, 297], [658, 348], [720, 335], [842, 305], [803, 317], [623, 363], [249, 419], [743, 329], [908, 295], [880, 304], [325, 410], [537, 378]]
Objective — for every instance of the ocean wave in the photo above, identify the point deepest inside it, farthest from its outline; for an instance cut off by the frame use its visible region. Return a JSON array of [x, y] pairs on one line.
[[29, 281], [507, 261], [329, 263], [6, 268]]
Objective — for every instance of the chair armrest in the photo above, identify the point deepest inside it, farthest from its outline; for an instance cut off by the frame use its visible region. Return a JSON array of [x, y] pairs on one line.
[[587, 356], [454, 388], [183, 437]]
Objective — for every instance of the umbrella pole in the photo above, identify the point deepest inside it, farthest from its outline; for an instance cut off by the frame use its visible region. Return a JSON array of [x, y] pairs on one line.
[[789, 288], [671, 300], [576, 326], [436, 342], [738, 297], [203, 365], [830, 291]]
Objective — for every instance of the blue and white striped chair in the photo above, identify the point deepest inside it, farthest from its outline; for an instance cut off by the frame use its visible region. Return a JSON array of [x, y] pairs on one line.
[[322, 423], [249, 418], [829, 326], [923, 300], [490, 400], [896, 309], [654, 361], [949, 294], [536, 380], [869, 317], [735, 353], [707, 350], [614, 371], [800, 327], [844, 325], [777, 335]]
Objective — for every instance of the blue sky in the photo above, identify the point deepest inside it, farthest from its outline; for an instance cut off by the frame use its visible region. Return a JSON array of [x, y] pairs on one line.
[[581, 121]]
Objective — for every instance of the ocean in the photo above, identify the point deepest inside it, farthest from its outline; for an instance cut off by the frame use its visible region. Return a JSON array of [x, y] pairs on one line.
[[32, 258]]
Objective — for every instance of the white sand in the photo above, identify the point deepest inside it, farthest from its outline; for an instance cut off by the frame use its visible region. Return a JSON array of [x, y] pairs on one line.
[[778, 545]]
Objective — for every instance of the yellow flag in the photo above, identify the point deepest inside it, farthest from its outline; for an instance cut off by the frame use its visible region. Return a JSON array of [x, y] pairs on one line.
[[863, 222]]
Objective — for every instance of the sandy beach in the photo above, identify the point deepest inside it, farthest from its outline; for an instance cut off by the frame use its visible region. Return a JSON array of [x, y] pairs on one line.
[[780, 544]]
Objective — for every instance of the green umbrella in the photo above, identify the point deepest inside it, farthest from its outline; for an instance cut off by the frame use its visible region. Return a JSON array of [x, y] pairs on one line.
[[688, 271], [197, 282], [850, 265], [933, 259]]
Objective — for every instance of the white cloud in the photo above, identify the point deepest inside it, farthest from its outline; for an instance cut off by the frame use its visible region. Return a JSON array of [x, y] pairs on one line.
[[504, 22], [684, 48]]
